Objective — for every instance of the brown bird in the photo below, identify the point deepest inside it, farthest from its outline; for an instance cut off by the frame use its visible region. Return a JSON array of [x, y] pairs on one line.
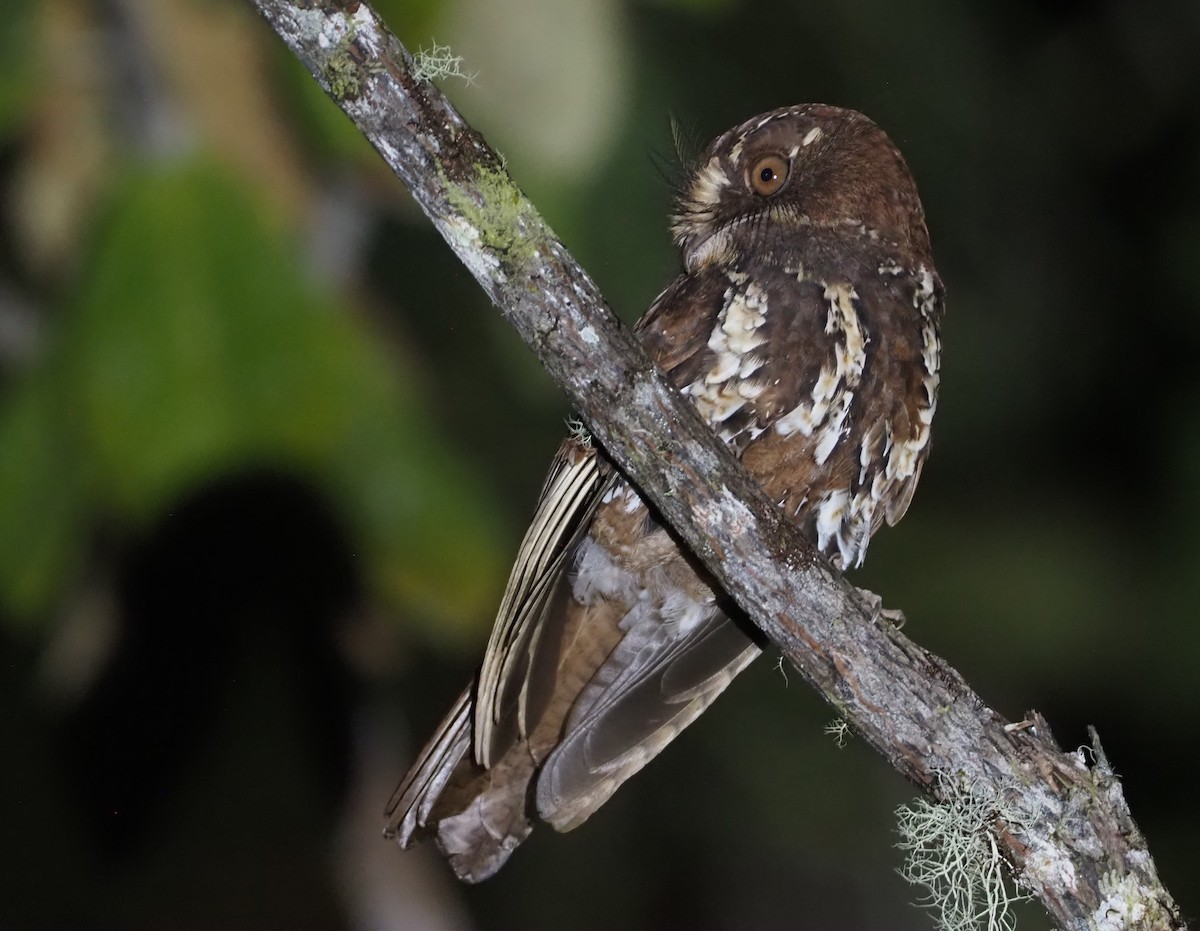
[[805, 329]]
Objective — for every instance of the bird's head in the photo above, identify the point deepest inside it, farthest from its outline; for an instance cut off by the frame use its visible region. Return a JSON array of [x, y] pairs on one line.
[[809, 166]]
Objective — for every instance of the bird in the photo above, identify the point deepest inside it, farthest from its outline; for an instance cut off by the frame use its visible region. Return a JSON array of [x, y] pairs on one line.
[[805, 327]]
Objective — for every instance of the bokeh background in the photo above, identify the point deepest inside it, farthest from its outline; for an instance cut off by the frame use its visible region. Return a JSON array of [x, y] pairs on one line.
[[265, 451]]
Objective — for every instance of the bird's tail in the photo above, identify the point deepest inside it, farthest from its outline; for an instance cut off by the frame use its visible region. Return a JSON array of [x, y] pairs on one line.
[[475, 815]]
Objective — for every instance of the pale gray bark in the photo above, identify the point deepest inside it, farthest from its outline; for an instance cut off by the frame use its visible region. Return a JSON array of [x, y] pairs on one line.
[[1069, 835]]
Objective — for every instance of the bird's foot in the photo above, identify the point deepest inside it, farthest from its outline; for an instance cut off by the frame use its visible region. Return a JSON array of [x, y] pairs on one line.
[[874, 603]]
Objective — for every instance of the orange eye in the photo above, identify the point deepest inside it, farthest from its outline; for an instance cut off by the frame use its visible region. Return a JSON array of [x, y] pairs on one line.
[[768, 174]]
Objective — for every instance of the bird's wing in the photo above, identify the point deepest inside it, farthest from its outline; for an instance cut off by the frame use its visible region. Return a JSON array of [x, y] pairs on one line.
[[577, 480], [655, 684]]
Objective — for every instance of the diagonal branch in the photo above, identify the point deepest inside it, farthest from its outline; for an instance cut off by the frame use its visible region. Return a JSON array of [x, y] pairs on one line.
[[1064, 828]]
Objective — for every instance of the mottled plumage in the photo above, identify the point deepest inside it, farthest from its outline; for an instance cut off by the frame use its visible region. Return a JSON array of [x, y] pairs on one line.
[[805, 329]]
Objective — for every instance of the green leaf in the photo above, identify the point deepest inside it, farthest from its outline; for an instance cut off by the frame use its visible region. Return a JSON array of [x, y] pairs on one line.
[[41, 498]]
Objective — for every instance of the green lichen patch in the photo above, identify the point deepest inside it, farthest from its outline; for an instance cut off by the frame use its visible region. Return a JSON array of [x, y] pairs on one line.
[[342, 73], [345, 68], [502, 215]]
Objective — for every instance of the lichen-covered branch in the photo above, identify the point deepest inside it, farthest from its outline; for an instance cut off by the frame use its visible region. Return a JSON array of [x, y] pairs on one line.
[[1064, 827]]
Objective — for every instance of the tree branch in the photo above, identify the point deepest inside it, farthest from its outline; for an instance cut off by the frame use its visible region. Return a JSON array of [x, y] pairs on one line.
[[1063, 827]]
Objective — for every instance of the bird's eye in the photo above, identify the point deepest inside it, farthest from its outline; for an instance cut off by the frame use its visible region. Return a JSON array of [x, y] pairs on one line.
[[768, 174]]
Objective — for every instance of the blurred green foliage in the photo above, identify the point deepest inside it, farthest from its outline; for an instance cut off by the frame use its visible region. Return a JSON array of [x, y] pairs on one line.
[[17, 63], [194, 343]]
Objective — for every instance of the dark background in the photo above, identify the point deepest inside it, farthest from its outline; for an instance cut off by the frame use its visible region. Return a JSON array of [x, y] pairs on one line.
[[265, 451]]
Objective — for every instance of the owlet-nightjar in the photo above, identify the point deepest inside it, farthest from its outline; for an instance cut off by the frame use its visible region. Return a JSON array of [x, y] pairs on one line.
[[805, 329]]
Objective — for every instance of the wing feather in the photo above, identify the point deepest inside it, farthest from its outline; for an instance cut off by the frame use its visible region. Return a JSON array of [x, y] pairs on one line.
[[576, 482], [408, 810], [663, 687]]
